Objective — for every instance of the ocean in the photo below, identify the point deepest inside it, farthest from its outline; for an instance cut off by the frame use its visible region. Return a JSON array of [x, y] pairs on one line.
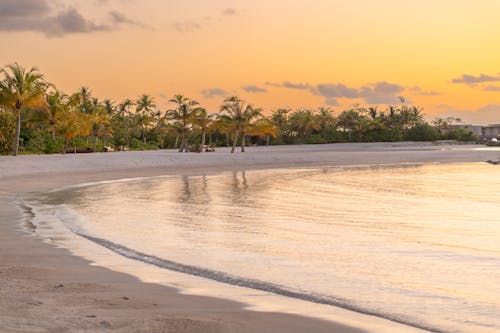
[[415, 244]]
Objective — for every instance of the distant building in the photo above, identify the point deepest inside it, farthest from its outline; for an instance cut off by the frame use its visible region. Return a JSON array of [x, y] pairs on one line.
[[491, 131], [485, 132], [476, 129]]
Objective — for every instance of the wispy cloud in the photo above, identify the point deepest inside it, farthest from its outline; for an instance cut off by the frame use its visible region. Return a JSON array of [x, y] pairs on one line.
[[186, 26], [230, 11], [214, 92], [421, 92], [291, 85], [382, 93], [196, 24], [120, 18], [254, 89], [472, 80], [376, 93], [332, 102], [337, 90], [491, 87]]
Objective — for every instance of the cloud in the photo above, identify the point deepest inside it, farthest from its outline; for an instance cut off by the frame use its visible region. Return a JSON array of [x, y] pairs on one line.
[[38, 16], [382, 93], [489, 114], [193, 25], [332, 102], [254, 89], [186, 26], [337, 90], [230, 12], [421, 92], [291, 85], [214, 92], [376, 93], [491, 87], [120, 18], [70, 21], [22, 8], [472, 80]]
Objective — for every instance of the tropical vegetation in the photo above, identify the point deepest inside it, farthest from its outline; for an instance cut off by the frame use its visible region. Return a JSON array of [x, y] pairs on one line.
[[36, 117]]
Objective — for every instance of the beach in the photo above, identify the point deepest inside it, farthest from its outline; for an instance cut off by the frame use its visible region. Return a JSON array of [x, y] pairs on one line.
[[47, 289]]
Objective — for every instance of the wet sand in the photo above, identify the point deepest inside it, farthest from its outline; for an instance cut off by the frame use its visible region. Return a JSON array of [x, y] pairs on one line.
[[47, 289]]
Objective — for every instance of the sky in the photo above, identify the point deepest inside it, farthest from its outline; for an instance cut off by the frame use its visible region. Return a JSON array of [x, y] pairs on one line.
[[441, 55]]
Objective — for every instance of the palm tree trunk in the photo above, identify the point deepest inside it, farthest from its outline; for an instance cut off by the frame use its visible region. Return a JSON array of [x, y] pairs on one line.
[[176, 144], [202, 140], [94, 142], [18, 131], [268, 140], [243, 142], [53, 134], [235, 141], [65, 145], [227, 139], [183, 142]]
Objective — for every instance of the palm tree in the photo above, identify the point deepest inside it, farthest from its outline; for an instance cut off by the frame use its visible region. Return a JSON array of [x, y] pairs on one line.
[[280, 119], [304, 122], [351, 121], [201, 119], [264, 128], [222, 124], [372, 111], [124, 112], [21, 88], [99, 123], [73, 124], [109, 106], [145, 106], [84, 96], [240, 116], [124, 107], [57, 103], [325, 118], [183, 114]]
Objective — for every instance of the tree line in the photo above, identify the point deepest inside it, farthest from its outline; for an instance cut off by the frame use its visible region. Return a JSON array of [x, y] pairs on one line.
[[36, 117]]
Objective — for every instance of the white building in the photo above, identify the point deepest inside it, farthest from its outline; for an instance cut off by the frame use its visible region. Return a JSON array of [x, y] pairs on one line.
[[491, 131], [476, 129]]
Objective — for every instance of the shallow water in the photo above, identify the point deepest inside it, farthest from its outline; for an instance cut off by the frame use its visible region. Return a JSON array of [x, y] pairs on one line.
[[415, 244]]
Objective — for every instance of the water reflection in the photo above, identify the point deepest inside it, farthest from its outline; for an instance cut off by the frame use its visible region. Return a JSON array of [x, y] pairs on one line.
[[416, 242]]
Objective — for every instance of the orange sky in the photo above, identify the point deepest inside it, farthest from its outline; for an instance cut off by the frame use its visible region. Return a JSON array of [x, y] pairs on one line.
[[295, 53]]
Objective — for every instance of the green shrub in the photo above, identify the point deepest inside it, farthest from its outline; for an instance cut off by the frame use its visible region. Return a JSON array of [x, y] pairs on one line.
[[139, 145], [422, 132], [53, 146], [460, 134], [383, 135], [37, 141], [7, 132], [315, 139]]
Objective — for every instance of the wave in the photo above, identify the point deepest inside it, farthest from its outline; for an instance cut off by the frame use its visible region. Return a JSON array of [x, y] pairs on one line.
[[250, 283]]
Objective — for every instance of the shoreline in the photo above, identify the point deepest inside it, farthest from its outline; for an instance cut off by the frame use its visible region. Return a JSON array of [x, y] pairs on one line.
[[34, 270]]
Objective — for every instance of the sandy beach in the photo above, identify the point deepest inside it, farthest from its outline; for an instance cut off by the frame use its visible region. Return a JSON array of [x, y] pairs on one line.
[[45, 288]]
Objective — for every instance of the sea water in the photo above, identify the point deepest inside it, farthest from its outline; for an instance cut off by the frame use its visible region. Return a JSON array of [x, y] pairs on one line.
[[418, 245]]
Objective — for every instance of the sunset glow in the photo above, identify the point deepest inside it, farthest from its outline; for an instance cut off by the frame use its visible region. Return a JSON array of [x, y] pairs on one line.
[[442, 55]]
